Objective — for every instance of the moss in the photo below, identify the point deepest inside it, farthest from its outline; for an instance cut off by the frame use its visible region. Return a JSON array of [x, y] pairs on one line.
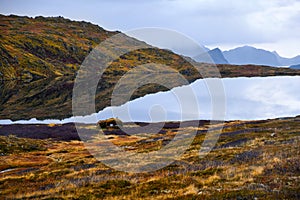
[[113, 184], [12, 144], [207, 172]]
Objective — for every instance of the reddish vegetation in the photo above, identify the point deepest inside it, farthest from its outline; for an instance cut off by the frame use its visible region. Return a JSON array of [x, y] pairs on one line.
[[248, 162]]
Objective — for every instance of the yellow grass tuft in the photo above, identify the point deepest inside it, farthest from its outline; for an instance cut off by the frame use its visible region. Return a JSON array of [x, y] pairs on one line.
[[191, 189], [51, 125]]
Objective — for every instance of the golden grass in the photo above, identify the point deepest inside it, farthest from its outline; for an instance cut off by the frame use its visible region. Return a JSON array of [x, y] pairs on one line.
[[262, 167]]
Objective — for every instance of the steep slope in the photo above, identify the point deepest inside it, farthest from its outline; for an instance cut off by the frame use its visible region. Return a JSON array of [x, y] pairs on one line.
[[287, 61], [250, 55], [45, 47], [40, 57], [215, 55]]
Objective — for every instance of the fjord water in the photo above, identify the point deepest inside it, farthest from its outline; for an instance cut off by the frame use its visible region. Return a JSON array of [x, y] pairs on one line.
[[245, 99]]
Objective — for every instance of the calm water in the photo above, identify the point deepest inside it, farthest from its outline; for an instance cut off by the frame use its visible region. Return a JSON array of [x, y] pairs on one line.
[[245, 99]]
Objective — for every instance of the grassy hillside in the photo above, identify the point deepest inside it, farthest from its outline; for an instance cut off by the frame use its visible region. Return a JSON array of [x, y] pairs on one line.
[[248, 162], [40, 57], [45, 47]]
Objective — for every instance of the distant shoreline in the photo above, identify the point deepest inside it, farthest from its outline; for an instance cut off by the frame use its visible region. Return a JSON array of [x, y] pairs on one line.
[[68, 132]]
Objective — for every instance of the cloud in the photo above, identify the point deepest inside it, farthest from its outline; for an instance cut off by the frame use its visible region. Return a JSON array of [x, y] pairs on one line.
[[279, 21]]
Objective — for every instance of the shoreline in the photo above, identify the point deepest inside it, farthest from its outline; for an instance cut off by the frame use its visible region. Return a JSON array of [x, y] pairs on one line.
[[68, 131]]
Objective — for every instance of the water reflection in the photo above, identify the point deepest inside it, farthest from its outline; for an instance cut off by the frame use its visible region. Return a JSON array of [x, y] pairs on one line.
[[246, 99]]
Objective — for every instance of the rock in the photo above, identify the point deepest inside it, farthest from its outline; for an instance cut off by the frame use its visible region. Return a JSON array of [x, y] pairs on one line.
[[166, 191], [111, 122], [273, 134], [258, 186]]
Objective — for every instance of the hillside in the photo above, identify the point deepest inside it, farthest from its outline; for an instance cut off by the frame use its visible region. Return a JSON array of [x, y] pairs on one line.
[[45, 47], [40, 58]]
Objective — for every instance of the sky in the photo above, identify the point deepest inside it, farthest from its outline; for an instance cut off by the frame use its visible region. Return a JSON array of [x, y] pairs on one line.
[[260, 98], [269, 24]]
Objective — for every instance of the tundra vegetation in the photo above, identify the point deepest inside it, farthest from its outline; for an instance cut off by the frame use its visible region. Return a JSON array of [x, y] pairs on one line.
[[40, 58], [110, 123], [252, 159]]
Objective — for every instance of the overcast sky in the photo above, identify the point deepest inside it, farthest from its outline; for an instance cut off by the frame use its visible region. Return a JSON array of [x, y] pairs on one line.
[[268, 24]]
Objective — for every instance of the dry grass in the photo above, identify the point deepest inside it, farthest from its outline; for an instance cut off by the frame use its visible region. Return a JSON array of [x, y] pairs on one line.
[[262, 167]]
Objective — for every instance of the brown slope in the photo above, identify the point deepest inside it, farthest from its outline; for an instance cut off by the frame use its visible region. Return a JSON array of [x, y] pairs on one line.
[[41, 56]]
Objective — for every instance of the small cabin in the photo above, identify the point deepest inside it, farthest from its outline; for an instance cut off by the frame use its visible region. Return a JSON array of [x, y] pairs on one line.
[[110, 123]]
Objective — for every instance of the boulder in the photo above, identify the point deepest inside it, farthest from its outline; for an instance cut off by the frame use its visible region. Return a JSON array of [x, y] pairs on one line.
[[111, 122]]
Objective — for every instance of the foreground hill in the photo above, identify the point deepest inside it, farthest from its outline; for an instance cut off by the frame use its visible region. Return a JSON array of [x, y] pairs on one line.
[[251, 160], [40, 58]]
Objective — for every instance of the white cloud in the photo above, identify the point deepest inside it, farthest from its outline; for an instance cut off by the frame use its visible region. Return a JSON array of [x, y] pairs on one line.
[[276, 22]]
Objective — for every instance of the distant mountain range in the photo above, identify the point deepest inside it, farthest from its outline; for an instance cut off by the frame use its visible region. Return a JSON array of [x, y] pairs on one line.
[[295, 66], [247, 55], [212, 56]]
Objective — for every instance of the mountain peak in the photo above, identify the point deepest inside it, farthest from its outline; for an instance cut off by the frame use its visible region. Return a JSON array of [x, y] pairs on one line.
[[212, 56], [247, 46], [251, 55], [216, 49]]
